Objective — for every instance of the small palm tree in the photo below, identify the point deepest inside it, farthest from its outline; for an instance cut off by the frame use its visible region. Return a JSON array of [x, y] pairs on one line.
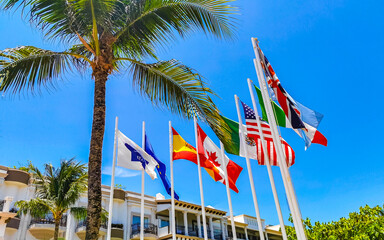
[[109, 36], [57, 190]]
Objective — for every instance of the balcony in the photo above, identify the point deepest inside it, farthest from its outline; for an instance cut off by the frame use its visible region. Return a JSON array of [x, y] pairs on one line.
[[150, 231], [117, 231], [6, 213], [17, 176], [81, 227], [44, 228], [193, 232], [13, 223]]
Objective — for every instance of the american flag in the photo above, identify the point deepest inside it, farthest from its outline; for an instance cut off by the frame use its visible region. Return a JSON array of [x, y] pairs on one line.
[[253, 139], [285, 100]]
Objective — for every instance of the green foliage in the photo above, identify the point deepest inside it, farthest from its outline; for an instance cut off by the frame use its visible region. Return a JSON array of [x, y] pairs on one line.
[[367, 224], [133, 29], [57, 190], [120, 186]]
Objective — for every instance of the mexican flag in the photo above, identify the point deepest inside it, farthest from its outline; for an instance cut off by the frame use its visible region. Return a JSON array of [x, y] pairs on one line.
[[253, 146]]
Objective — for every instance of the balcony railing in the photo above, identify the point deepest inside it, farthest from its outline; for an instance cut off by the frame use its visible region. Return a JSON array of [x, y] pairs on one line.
[[193, 232], [2, 202], [84, 224], [49, 220], [148, 228], [180, 230]]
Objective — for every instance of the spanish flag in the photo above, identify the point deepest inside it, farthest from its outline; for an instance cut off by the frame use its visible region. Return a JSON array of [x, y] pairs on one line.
[[182, 149]]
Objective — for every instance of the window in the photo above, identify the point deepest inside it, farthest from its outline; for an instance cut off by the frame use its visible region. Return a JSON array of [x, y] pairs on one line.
[[136, 220], [164, 223]]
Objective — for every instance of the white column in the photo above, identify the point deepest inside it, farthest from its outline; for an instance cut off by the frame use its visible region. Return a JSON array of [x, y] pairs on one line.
[[222, 228], [185, 216], [25, 218], [246, 233], [7, 204], [3, 224], [198, 225], [2, 228], [71, 225], [127, 224], [211, 227]]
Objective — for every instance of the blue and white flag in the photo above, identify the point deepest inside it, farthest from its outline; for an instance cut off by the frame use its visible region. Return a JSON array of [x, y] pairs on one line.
[[131, 156], [161, 168]]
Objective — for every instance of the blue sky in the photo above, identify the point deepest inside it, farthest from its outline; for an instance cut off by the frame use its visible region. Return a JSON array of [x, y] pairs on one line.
[[327, 54]]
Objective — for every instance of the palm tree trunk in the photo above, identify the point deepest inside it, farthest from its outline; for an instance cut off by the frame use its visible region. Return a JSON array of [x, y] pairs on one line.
[[56, 233], [94, 166]]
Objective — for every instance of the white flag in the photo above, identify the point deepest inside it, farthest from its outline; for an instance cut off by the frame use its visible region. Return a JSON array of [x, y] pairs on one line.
[[131, 156]]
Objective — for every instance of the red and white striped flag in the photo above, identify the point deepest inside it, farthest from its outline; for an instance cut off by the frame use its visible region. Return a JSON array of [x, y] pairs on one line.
[[253, 140]]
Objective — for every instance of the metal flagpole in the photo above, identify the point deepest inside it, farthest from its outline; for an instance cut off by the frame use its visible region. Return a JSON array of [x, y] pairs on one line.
[[142, 192], [260, 78], [172, 218], [270, 174], [279, 148], [200, 183], [228, 191], [259, 225], [110, 210]]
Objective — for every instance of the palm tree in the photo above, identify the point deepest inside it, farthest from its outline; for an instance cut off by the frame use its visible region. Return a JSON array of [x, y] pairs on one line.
[[57, 190], [110, 36]]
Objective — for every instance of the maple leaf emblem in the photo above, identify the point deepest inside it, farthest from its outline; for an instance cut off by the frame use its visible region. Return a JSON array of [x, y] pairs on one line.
[[212, 157]]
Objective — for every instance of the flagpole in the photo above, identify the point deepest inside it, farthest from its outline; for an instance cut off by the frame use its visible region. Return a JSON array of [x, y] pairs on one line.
[[142, 191], [259, 224], [200, 182], [260, 78], [228, 191], [266, 157], [172, 218], [110, 209], [279, 148]]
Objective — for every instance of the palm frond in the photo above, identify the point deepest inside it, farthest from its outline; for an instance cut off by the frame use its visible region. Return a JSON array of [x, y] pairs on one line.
[[36, 207], [30, 67], [80, 213], [157, 22], [178, 88]]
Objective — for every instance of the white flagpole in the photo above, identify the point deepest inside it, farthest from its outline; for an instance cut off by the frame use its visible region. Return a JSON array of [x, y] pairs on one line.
[[200, 183], [260, 78], [279, 149], [270, 174], [172, 218], [110, 209], [228, 191], [249, 168], [142, 192]]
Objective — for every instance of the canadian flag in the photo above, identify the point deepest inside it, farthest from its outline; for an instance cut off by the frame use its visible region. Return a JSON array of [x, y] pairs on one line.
[[210, 157]]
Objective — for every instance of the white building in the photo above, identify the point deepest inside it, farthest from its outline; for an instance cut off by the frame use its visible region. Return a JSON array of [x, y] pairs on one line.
[[15, 185]]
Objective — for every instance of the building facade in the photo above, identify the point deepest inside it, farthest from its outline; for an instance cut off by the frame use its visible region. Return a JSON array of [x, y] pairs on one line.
[[16, 185]]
